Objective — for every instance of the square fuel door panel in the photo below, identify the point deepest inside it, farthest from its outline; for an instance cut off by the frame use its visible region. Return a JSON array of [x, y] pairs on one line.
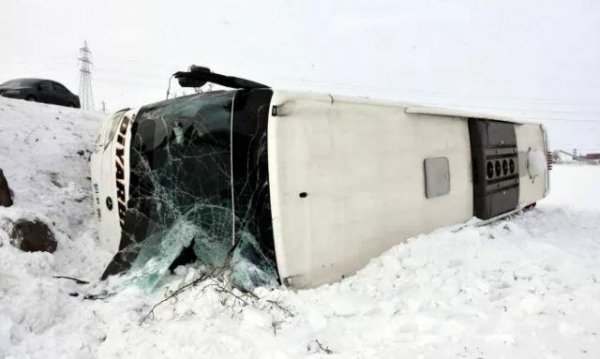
[[437, 176]]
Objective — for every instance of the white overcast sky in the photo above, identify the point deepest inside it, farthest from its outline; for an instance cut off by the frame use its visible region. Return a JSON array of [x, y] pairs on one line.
[[538, 60]]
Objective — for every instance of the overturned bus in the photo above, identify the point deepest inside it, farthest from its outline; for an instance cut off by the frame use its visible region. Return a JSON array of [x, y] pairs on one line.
[[301, 188]]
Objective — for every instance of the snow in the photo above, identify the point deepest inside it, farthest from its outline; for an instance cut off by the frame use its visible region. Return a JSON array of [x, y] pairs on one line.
[[524, 287]]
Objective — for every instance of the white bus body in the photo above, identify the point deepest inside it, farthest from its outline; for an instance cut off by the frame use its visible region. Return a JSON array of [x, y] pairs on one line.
[[349, 178]]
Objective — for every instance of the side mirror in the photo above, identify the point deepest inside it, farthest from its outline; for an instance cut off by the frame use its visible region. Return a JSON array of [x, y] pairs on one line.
[[39, 87]]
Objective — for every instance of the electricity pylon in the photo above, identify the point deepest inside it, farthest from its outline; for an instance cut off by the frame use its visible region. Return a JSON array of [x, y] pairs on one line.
[[86, 97]]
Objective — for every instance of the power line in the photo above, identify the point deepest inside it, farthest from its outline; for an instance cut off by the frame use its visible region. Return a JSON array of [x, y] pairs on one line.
[[510, 113], [388, 89], [566, 120]]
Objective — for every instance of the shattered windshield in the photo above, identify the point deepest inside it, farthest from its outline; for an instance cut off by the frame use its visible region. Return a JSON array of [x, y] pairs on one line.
[[199, 188]]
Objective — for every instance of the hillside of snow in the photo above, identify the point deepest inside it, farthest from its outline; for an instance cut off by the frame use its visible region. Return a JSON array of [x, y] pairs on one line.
[[526, 287]]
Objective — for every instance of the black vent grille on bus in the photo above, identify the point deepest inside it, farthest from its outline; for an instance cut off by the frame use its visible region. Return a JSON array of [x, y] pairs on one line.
[[495, 167]]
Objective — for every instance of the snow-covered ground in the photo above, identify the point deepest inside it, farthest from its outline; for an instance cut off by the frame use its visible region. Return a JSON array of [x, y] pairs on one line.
[[528, 287]]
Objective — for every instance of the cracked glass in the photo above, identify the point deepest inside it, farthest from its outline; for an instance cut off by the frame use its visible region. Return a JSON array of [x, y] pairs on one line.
[[199, 190]]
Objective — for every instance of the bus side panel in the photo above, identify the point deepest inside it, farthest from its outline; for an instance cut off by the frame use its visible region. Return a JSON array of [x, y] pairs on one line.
[[530, 139], [347, 183]]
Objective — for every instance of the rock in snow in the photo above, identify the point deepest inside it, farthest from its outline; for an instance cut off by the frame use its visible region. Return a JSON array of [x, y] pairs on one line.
[[33, 236], [527, 287], [5, 196]]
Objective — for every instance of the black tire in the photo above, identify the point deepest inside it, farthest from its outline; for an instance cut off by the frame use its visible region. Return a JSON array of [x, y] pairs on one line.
[[31, 98], [72, 105]]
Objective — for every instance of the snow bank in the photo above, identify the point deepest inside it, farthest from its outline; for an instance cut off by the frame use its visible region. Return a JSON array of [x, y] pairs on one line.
[[526, 287]]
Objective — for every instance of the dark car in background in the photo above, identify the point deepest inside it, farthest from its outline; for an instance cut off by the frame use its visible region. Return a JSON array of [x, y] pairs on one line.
[[39, 90]]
